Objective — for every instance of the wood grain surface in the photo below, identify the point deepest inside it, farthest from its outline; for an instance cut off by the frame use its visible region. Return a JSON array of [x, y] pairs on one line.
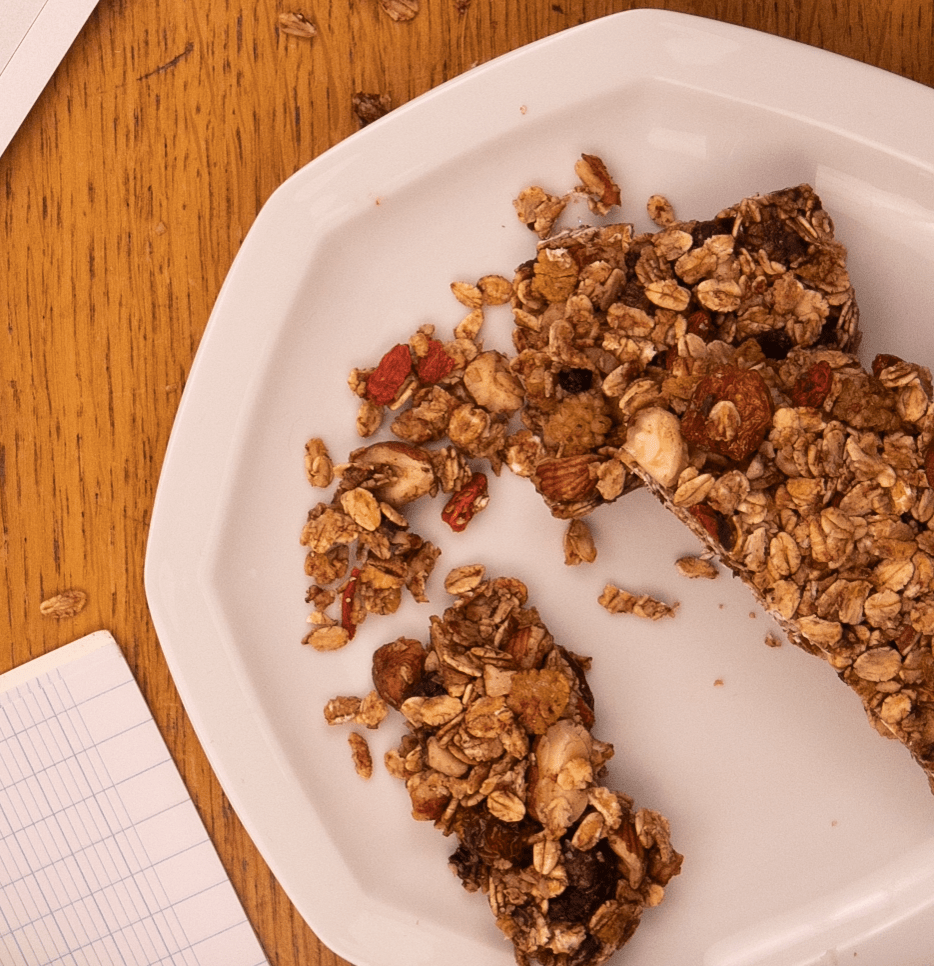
[[125, 197]]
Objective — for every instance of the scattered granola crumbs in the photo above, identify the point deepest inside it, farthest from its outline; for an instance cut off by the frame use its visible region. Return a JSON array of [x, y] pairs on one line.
[[67, 604], [660, 210], [360, 754], [619, 601], [329, 637], [697, 567], [341, 710], [718, 683], [297, 25], [773, 640]]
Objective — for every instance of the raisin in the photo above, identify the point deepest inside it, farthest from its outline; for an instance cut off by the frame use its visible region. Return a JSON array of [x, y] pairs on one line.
[[592, 878], [575, 380], [775, 344]]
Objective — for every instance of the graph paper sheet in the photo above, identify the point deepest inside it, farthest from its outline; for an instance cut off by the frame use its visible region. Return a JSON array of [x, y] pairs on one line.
[[103, 858]]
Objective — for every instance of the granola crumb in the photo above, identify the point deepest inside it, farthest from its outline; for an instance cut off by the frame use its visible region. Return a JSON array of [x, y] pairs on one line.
[[297, 25], [370, 107], [67, 604], [697, 568], [360, 753], [619, 601], [400, 10]]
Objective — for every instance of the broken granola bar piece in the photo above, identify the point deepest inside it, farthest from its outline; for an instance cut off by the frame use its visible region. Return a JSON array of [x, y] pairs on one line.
[[501, 754], [608, 321], [828, 519]]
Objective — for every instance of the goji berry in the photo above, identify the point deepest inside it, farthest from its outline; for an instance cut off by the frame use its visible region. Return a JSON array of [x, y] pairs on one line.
[[387, 378], [469, 500], [435, 364]]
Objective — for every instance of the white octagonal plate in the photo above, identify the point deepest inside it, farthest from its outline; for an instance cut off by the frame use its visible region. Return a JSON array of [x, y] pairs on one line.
[[807, 838]]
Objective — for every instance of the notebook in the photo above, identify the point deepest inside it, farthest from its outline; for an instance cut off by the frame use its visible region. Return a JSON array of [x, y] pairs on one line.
[[103, 858], [34, 37]]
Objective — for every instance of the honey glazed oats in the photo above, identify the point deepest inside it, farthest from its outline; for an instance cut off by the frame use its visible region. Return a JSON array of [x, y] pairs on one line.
[[501, 755], [713, 362]]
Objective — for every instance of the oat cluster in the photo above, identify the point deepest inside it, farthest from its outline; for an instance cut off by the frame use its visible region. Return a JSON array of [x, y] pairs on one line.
[[500, 753], [713, 362]]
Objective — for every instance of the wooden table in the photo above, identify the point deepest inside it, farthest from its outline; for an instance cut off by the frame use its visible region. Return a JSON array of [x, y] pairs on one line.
[[127, 193]]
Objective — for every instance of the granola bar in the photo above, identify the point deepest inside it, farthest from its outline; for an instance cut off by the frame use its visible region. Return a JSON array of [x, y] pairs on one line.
[[740, 402], [826, 516], [501, 755]]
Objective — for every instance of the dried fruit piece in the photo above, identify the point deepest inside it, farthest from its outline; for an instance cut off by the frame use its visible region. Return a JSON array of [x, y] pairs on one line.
[[435, 364], [387, 379], [466, 503], [812, 387], [397, 670], [748, 393]]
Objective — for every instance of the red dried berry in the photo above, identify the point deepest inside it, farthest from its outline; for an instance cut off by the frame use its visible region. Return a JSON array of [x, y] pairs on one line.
[[469, 500], [387, 378], [748, 392], [435, 364], [812, 387]]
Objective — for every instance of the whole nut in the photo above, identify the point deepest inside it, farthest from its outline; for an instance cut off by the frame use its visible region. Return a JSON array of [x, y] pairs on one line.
[[566, 479], [397, 670], [408, 470], [654, 441]]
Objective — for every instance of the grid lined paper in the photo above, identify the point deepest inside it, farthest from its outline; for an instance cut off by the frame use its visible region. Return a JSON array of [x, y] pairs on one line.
[[103, 858]]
